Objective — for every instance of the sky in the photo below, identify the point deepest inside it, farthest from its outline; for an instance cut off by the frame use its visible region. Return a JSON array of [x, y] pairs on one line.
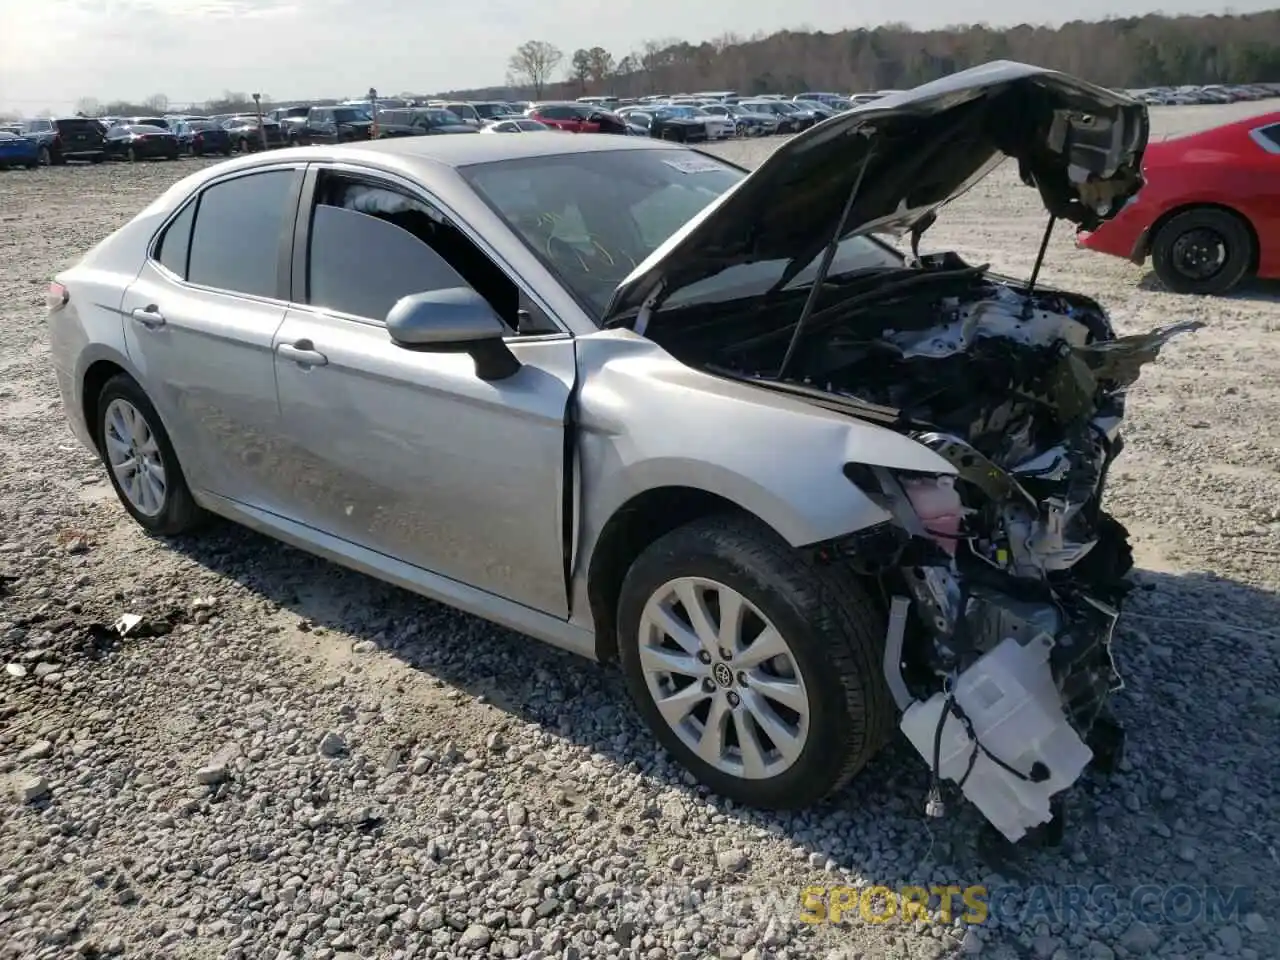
[[53, 52]]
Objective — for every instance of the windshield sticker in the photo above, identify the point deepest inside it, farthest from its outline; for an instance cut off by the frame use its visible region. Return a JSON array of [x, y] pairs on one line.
[[694, 165]]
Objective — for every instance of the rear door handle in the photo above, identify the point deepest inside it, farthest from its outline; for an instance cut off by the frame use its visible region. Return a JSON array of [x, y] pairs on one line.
[[303, 353], [148, 316]]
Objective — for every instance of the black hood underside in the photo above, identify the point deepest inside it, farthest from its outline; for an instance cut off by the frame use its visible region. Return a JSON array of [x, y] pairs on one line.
[[1079, 145]]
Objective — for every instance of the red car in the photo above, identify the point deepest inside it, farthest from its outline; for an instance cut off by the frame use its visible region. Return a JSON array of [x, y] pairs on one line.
[[576, 118], [1209, 213]]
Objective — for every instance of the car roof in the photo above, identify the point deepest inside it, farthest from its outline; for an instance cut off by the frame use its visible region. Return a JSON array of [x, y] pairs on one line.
[[465, 151]]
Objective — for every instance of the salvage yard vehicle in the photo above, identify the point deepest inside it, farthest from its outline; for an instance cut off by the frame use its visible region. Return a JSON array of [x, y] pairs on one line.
[[420, 122], [249, 134], [202, 137], [18, 151], [141, 141], [1208, 215], [71, 138], [609, 392]]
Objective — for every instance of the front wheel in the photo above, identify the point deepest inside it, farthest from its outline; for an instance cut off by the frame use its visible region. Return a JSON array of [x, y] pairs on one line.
[[757, 669], [1205, 251], [140, 460]]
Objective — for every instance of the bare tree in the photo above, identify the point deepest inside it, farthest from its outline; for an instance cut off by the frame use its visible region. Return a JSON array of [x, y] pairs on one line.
[[726, 40], [533, 63], [581, 69], [88, 107], [599, 64], [156, 103]]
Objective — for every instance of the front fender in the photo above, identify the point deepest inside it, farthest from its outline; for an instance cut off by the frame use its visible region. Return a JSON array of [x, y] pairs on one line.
[[646, 420]]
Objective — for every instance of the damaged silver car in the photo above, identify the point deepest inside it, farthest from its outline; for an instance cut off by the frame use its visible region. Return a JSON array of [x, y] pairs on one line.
[[626, 398]]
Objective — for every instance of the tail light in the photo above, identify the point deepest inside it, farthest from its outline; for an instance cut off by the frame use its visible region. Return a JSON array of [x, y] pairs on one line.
[[56, 297]]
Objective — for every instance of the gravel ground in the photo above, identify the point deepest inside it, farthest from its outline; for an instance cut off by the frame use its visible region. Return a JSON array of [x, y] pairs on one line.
[[289, 759]]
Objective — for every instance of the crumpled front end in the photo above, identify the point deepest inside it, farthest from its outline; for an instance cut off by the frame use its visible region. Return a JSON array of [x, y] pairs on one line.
[[1012, 569], [1005, 577]]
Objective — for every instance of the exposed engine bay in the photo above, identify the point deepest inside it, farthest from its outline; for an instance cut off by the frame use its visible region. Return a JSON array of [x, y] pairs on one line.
[[1005, 580]]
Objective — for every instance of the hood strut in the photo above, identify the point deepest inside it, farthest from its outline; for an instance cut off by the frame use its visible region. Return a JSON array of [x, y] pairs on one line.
[[828, 255], [1035, 270]]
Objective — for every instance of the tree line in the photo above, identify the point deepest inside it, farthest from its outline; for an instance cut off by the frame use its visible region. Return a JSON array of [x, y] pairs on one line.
[[1127, 52], [1124, 52]]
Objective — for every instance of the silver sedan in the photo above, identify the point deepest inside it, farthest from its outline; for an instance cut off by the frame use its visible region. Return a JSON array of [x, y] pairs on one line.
[[627, 399]]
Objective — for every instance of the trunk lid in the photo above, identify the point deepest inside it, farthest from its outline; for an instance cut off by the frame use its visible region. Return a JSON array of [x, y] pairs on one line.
[[1079, 144]]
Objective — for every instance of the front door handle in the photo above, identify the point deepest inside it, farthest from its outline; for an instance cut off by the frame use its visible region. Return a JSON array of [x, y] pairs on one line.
[[148, 316], [303, 353]]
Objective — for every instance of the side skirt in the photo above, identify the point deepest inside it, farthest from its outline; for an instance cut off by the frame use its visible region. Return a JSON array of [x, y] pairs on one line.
[[478, 603]]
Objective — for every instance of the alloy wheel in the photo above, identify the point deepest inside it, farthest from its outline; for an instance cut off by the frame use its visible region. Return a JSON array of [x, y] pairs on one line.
[[134, 455], [724, 678]]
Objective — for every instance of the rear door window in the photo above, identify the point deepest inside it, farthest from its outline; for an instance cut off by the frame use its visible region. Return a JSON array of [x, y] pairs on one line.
[[235, 245]]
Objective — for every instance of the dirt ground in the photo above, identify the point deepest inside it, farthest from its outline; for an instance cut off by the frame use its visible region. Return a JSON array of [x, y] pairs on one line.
[[392, 779]]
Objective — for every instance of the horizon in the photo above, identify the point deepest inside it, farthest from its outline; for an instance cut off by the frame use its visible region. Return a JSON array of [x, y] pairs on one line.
[[41, 41]]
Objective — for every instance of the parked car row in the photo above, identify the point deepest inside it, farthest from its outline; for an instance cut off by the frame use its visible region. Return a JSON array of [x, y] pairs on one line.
[[682, 117], [1209, 93]]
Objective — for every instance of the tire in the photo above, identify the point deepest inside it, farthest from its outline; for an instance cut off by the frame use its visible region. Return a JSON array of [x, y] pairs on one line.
[[98, 158], [1205, 250], [177, 512], [226, 152], [132, 155], [832, 632], [44, 158]]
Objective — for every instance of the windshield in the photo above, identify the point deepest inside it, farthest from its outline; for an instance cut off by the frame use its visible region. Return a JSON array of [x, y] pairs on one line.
[[350, 115], [488, 110], [679, 111], [594, 217]]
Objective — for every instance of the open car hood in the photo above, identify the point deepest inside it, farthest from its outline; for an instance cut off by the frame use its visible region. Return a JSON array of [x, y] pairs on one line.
[[1079, 144]]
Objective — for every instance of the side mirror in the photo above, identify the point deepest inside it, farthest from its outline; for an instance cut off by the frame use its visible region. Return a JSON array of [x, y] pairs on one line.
[[456, 320]]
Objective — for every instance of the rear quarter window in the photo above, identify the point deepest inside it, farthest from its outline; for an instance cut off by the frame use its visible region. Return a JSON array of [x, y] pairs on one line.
[[1268, 138], [235, 245]]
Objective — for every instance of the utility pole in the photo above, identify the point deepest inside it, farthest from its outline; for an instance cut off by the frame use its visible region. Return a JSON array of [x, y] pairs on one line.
[[373, 113], [262, 131]]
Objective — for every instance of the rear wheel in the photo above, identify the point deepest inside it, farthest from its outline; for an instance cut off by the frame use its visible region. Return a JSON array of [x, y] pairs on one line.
[[140, 460], [757, 670], [1205, 251]]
